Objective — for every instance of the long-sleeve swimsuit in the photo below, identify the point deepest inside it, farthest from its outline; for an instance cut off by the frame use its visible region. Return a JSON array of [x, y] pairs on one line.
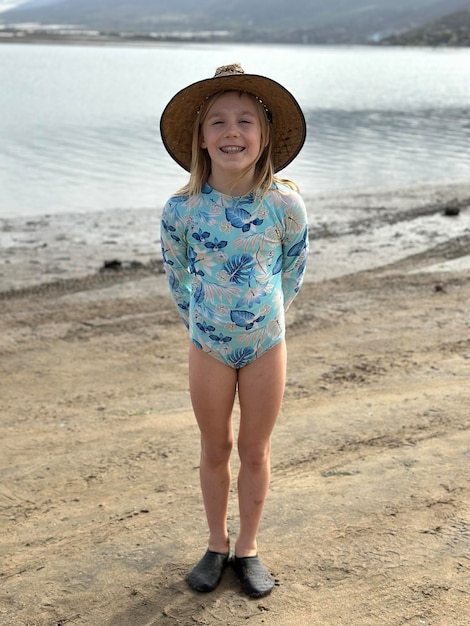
[[234, 265]]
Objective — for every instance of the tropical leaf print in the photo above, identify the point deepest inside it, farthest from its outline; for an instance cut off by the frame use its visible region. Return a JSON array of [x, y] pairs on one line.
[[253, 338], [241, 357], [253, 296], [166, 259], [251, 243], [171, 230], [173, 282], [212, 313], [301, 268], [297, 248], [278, 265], [192, 260], [294, 220], [184, 306], [210, 217], [176, 208], [198, 294], [240, 218], [220, 293], [245, 319], [205, 206], [240, 268], [274, 329]]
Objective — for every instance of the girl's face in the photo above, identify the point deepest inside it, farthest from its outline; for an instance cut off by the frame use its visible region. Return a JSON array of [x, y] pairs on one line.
[[231, 133]]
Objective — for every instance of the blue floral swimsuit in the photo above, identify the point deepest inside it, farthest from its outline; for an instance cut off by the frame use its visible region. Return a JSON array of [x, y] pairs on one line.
[[234, 265]]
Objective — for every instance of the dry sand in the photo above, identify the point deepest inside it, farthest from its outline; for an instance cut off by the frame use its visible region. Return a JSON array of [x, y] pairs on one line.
[[368, 517]]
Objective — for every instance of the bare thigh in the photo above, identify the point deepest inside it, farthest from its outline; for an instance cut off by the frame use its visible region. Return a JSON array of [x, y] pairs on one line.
[[212, 386], [261, 389]]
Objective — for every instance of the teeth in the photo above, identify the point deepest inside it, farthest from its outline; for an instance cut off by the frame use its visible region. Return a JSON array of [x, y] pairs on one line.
[[232, 149]]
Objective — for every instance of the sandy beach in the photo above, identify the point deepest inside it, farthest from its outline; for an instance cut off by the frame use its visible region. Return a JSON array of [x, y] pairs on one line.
[[368, 518]]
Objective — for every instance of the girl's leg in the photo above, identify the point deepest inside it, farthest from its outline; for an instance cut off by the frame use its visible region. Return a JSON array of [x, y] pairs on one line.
[[260, 389], [212, 386]]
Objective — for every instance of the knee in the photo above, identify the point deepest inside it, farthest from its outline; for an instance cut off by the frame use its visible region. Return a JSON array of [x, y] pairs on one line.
[[254, 456], [216, 454]]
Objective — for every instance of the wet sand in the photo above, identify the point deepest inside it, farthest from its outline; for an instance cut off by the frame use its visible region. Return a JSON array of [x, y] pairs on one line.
[[368, 518]]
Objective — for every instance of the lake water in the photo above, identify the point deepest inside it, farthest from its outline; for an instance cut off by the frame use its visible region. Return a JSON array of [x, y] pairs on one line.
[[79, 126]]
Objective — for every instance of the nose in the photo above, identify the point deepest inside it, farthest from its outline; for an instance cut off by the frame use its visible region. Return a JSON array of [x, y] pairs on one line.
[[231, 130]]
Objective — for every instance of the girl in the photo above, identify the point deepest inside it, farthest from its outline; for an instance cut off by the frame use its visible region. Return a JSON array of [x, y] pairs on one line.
[[234, 244]]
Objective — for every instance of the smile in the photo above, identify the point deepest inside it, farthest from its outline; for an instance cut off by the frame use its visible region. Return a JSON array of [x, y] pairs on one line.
[[232, 149]]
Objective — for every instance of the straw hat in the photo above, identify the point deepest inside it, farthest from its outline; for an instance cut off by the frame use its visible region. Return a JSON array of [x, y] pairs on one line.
[[288, 128]]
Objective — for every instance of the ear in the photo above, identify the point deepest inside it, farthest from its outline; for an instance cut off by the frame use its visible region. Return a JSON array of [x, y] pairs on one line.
[[202, 143]]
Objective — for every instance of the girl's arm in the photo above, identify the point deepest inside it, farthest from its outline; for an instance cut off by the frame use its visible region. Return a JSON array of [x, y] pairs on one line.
[[175, 260], [294, 248]]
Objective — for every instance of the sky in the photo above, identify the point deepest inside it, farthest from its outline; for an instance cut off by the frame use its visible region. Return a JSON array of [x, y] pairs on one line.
[[10, 4]]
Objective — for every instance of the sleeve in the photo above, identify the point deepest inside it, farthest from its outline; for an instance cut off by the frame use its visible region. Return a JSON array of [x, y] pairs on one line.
[[294, 248], [175, 260]]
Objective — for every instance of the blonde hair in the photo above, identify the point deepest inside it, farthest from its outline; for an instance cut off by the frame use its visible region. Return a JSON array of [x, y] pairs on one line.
[[201, 163]]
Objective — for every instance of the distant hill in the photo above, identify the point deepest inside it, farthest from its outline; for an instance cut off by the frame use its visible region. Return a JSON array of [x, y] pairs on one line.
[[312, 21], [450, 30]]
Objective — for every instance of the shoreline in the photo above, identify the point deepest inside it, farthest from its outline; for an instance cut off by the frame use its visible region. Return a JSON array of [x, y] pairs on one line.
[[349, 233], [10, 34]]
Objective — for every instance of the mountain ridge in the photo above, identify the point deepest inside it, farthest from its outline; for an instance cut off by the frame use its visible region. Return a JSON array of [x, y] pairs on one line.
[[450, 30], [313, 21]]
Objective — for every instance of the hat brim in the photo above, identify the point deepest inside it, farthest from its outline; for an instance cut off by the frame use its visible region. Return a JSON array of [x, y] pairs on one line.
[[288, 129]]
